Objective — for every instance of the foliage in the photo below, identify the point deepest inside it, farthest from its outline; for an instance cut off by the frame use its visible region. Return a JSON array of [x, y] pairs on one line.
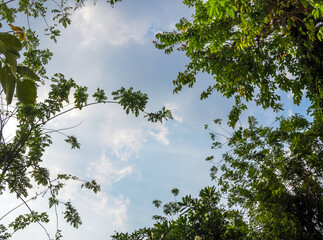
[[275, 175], [197, 218], [13, 76], [256, 51], [253, 49], [23, 77], [21, 154]]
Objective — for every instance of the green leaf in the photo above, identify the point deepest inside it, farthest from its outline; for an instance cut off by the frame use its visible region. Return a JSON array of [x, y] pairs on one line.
[[8, 82], [230, 12], [304, 3], [26, 91], [93, 185], [72, 216], [9, 42], [99, 96], [11, 61], [73, 141], [25, 71]]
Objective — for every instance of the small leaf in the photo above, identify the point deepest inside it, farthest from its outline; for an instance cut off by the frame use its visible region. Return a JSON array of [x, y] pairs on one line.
[[230, 12], [175, 192], [26, 91], [245, 133], [22, 36], [304, 3], [15, 28], [72, 216], [19, 31], [157, 203], [73, 141]]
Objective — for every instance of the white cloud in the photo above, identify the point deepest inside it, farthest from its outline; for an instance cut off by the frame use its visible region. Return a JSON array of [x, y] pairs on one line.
[[9, 129], [107, 172], [101, 214], [103, 25], [69, 191], [290, 95], [174, 108], [124, 141], [114, 209], [172, 27], [160, 132]]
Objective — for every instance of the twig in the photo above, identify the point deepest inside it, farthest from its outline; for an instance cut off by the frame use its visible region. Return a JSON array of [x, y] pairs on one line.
[[68, 110], [33, 198], [62, 129], [32, 213], [6, 3]]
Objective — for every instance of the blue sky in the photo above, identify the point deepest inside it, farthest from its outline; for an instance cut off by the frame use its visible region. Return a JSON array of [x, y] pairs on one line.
[[134, 161]]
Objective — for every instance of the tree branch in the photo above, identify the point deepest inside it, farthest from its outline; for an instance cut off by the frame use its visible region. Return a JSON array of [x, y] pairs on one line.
[[25, 203], [6, 3]]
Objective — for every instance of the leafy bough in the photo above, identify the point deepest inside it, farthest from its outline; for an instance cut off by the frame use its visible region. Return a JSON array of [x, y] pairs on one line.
[[21, 157]]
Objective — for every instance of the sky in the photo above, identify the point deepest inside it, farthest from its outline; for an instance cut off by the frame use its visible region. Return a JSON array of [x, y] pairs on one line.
[[135, 161]]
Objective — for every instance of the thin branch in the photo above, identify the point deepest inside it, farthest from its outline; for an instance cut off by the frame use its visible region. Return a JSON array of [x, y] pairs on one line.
[[28, 18], [5, 164], [58, 5], [62, 129], [6, 3], [219, 134], [31, 211], [68, 110], [224, 129], [33, 198]]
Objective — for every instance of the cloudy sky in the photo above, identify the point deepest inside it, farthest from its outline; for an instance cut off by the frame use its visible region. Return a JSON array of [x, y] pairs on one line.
[[134, 161]]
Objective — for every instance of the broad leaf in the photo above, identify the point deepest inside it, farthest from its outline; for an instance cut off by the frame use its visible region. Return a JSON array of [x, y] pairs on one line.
[[9, 42], [26, 91], [11, 60], [25, 71], [8, 82]]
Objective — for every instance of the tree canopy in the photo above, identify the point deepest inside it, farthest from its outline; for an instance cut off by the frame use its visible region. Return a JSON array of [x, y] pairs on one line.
[[192, 218], [269, 176], [21, 154], [254, 50]]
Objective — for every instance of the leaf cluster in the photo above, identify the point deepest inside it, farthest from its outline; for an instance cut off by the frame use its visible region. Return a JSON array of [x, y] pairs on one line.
[[13, 76], [198, 218], [272, 174], [251, 50]]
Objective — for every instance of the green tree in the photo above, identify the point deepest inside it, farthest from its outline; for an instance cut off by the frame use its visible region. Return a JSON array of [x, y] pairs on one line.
[[275, 175], [258, 51], [192, 218], [21, 155], [253, 50]]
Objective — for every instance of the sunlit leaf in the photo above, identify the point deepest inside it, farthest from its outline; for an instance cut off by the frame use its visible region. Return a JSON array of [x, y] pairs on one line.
[[26, 91], [9, 42], [19, 31], [15, 28]]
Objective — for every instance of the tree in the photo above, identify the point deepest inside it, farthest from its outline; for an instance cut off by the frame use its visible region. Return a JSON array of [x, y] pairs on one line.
[[256, 51], [192, 218], [21, 155], [275, 175], [252, 50], [272, 175]]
